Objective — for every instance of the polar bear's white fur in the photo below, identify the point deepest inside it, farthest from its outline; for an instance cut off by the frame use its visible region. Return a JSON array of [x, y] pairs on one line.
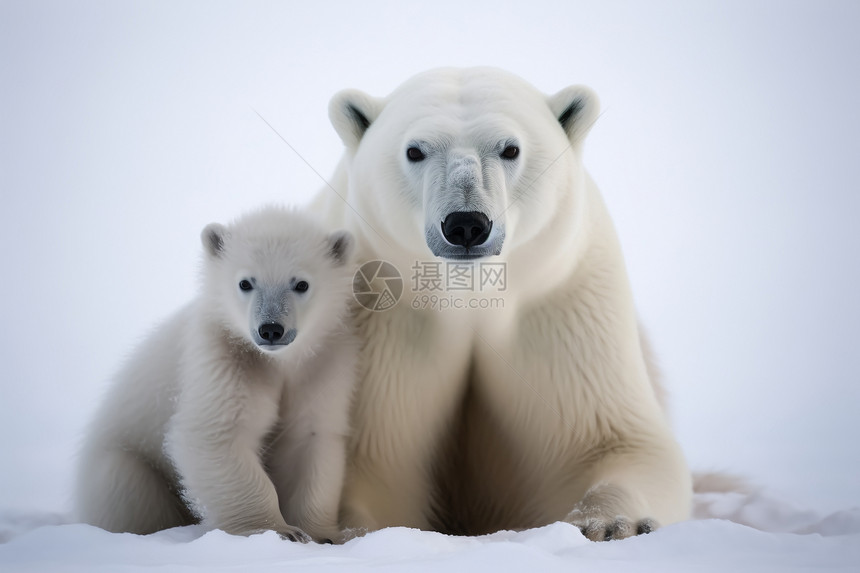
[[475, 420], [236, 409]]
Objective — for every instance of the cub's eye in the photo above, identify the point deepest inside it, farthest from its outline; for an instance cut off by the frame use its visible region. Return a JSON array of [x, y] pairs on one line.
[[511, 152], [301, 286], [414, 154], [246, 285]]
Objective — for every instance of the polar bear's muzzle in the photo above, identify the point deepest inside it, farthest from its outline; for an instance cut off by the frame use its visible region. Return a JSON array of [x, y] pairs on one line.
[[273, 335], [464, 235]]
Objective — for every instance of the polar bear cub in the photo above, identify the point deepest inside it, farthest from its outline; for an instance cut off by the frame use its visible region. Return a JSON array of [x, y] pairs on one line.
[[235, 411]]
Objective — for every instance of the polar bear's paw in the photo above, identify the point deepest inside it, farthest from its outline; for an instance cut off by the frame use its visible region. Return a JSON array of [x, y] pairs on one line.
[[602, 513], [619, 527]]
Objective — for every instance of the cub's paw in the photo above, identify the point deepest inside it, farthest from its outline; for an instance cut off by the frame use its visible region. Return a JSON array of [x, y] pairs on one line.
[[353, 532], [620, 527], [291, 533], [328, 536]]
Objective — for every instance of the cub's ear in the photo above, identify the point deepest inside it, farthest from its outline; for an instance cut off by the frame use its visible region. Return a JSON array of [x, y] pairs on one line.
[[340, 246], [576, 108], [212, 237], [351, 112]]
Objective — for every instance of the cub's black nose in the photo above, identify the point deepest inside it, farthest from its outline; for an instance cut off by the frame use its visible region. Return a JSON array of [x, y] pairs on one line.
[[466, 228], [271, 331]]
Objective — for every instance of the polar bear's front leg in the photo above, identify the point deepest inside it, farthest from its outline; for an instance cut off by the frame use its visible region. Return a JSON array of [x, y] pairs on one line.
[[412, 382], [384, 493], [633, 493], [215, 443]]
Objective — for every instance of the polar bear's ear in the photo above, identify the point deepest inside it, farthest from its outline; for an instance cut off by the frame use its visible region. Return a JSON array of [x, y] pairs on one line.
[[212, 237], [340, 246], [351, 112], [576, 108]]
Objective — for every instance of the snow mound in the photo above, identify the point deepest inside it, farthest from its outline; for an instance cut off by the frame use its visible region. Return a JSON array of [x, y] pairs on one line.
[[740, 532], [768, 512]]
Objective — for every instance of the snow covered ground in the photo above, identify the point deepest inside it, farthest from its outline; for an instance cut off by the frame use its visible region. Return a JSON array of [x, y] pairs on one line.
[[814, 544], [726, 151]]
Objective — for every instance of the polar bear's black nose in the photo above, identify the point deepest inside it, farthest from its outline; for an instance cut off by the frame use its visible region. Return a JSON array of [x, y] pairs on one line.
[[466, 228], [271, 331]]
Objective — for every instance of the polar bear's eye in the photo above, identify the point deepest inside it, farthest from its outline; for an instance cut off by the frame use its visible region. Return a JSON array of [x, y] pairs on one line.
[[511, 152], [245, 284], [414, 154], [301, 286]]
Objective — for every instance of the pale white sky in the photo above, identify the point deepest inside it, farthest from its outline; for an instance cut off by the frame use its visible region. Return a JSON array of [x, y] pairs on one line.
[[726, 151]]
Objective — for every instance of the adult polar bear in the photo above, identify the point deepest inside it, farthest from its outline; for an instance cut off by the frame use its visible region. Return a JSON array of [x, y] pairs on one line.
[[471, 421]]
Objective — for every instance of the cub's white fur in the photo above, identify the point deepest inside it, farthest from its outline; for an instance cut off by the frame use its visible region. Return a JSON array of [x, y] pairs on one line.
[[236, 409], [475, 420]]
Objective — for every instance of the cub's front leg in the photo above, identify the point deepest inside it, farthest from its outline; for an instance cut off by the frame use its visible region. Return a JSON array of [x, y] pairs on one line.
[[309, 473], [215, 440], [308, 458]]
